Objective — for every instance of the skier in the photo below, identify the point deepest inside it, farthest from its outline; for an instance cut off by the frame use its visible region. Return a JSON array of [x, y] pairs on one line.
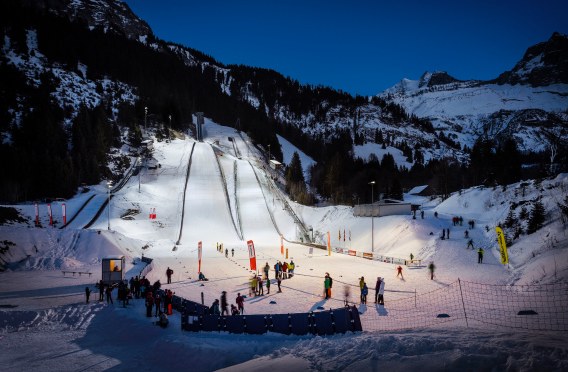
[[422, 214], [411, 257], [448, 233], [232, 252], [267, 286], [466, 234], [285, 270], [399, 272], [480, 255], [431, 267], [169, 273], [278, 280], [227, 252], [470, 244], [87, 293]]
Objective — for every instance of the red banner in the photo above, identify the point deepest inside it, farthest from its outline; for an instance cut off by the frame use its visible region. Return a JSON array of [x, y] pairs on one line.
[[252, 255], [199, 257], [50, 215], [64, 208]]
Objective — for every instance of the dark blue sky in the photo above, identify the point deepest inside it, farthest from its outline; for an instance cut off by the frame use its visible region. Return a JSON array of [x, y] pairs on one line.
[[359, 46]]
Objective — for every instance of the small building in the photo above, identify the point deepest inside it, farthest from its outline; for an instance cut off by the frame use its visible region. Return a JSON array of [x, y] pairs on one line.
[[148, 144], [113, 269], [423, 190], [275, 164], [386, 207]]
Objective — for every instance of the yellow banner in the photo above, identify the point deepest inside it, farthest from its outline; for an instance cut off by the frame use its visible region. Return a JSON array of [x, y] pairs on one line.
[[502, 245]]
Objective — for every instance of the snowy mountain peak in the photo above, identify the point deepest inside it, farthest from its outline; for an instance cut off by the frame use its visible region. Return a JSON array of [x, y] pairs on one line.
[[430, 79], [543, 64], [110, 15]]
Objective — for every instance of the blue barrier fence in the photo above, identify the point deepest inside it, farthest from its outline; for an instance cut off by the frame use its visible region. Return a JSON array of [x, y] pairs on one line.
[[196, 318]]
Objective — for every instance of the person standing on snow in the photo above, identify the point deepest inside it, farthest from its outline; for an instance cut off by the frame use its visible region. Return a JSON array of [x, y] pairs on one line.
[[361, 284], [224, 305], [382, 292], [101, 290], [169, 273], [291, 267], [470, 244], [480, 252], [431, 267], [326, 285], [232, 252], [377, 288], [267, 285], [266, 270], [364, 293], [240, 303], [87, 293]]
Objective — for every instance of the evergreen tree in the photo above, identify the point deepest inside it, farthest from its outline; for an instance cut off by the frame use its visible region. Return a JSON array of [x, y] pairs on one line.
[[536, 219], [510, 221]]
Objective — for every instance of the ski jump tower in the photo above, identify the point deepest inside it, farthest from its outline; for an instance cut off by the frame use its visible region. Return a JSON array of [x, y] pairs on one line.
[[199, 126]]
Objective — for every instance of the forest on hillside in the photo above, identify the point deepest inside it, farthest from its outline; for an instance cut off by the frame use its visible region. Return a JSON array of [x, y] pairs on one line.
[[44, 158]]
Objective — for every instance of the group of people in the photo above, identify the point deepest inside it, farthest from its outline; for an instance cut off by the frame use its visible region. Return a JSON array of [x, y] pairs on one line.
[[222, 307], [281, 270]]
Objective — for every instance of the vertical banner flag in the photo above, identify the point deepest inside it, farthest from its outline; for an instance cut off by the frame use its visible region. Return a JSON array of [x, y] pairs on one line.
[[502, 245], [37, 214], [252, 255], [328, 244], [349, 235], [343, 234], [64, 211], [339, 232], [281, 244], [50, 215], [199, 257]]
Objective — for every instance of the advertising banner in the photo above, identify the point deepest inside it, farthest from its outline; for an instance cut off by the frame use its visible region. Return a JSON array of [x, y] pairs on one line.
[[252, 255], [502, 245]]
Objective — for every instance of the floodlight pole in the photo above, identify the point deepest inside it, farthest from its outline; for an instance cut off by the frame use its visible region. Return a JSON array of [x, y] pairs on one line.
[[372, 183], [109, 184]]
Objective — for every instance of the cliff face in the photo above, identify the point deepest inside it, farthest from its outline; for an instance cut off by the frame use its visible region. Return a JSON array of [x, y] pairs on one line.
[[543, 64]]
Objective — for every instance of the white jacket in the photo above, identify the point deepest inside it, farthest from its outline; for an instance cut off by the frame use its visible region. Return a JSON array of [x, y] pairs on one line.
[[382, 287]]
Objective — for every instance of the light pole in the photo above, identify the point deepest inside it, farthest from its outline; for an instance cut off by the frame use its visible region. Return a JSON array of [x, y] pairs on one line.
[[109, 184], [145, 116], [268, 154], [139, 171], [372, 183]]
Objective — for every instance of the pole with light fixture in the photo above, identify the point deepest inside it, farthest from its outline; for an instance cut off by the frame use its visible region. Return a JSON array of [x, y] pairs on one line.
[[372, 183]]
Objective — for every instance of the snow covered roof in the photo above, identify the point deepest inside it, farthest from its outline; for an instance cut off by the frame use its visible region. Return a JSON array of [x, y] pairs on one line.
[[417, 189]]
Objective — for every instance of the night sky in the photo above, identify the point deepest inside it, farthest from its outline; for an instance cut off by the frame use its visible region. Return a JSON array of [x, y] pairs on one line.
[[361, 47]]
